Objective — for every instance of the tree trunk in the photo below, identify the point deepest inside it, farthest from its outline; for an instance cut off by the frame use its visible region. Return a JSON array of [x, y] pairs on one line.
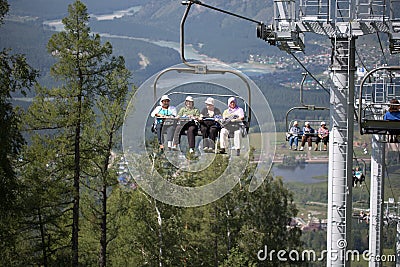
[[42, 236], [103, 237], [76, 193]]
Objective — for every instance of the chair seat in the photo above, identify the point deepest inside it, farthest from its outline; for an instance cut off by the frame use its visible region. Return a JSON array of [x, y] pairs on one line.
[[380, 127]]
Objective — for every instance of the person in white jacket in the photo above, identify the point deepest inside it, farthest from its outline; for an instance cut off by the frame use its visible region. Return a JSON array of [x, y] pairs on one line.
[[160, 113], [234, 115]]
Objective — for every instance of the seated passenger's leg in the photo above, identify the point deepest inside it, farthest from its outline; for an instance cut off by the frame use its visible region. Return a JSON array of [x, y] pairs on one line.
[[303, 142], [159, 133], [213, 133], [213, 136], [224, 139], [170, 134], [237, 137], [317, 143], [296, 142], [191, 135], [326, 140], [309, 142], [291, 140], [177, 134], [204, 134]]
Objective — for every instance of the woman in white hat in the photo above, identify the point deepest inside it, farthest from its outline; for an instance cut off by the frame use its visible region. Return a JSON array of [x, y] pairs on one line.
[[323, 135], [235, 115], [308, 133], [191, 113], [208, 125], [162, 112], [294, 133]]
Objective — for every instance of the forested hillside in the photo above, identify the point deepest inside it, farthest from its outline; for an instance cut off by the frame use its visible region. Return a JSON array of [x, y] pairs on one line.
[[63, 198]]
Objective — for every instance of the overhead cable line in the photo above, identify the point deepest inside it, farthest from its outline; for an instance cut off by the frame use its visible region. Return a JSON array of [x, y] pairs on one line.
[[380, 44], [312, 76], [390, 184], [220, 10], [255, 21], [360, 59]]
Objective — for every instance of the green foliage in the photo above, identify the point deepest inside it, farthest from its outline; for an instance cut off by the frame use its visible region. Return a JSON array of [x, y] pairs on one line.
[[239, 259], [15, 76], [229, 231], [3, 9], [74, 128]]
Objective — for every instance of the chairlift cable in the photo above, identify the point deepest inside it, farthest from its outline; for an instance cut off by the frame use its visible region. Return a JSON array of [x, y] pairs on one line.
[[223, 11], [312, 76], [360, 59], [380, 44]]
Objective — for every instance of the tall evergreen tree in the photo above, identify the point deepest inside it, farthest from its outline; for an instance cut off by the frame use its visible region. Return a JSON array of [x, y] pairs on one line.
[[102, 171], [65, 117], [15, 76]]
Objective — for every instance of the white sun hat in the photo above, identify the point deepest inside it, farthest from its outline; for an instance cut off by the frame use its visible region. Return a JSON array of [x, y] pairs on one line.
[[209, 101], [165, 97]]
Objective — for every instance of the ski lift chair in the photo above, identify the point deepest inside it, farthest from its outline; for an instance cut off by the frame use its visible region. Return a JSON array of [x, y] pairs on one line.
[[373, 104]]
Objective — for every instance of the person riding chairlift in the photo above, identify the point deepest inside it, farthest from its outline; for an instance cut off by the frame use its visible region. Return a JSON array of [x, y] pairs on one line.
[[162, 112], [393, 114], [208, 124], [192, 114], [358, 176], [308, 133], [234, 114]]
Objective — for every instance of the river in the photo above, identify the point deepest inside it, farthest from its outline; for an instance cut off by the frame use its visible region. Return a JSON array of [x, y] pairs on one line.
[[190, 52], [302, 173]]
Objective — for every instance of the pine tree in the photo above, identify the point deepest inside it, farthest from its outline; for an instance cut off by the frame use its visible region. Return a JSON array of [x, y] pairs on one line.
[[66, 119], [15, 76], [102, 172]]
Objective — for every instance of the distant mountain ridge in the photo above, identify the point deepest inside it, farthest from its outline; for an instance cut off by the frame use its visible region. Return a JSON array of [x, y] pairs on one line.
[[217, 34], [212, 33]]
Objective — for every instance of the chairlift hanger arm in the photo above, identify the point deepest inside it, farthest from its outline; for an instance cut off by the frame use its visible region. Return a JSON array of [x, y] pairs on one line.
[[306, 107], [208, 71], [201, 69], [308, 72], [219, 10], [189, 3]]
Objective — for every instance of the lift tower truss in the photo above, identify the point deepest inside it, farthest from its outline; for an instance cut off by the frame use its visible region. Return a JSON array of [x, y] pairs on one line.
[[342, 21], [377, 88]]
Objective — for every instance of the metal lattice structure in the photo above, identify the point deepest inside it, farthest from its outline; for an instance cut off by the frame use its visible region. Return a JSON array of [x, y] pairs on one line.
[[342, 21]]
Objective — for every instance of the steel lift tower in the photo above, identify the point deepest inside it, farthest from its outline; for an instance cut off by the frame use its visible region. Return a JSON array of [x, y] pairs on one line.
[[377, 88], [342, 21], [392, 215]]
